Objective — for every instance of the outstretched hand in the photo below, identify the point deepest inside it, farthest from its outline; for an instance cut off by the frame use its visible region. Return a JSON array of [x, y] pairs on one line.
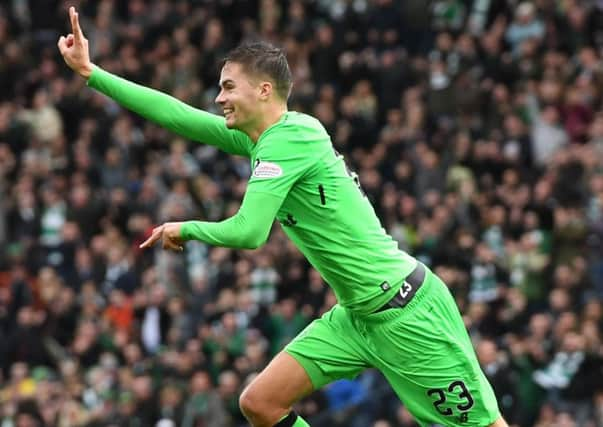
[[169, 234], [74, 47]]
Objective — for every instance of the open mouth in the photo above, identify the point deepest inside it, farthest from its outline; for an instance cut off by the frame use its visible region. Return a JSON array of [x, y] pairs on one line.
[[228, 111]]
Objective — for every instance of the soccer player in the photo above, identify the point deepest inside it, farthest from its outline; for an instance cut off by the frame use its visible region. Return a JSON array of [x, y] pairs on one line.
[[393, 313]]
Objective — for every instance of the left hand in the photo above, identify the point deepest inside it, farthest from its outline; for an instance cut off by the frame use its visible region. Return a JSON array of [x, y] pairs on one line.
[[169, 233]]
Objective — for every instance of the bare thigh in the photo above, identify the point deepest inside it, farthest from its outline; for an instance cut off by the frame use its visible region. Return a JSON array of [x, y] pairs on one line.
[[499, 423]]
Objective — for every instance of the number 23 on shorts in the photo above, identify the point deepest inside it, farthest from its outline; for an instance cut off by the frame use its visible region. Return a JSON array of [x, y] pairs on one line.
[[460, 391]]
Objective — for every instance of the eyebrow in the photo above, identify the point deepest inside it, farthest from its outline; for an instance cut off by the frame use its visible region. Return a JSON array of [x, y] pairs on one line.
[[225, 82]]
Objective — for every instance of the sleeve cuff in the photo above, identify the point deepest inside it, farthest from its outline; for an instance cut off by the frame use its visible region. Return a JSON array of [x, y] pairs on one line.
[[186, 231], [94, 76]]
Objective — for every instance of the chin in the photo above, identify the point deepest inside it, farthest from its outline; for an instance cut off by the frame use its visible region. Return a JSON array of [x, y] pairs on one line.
[[231, 124]]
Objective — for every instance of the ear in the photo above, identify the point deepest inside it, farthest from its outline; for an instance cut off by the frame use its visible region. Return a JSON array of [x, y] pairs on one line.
[[266, 89]]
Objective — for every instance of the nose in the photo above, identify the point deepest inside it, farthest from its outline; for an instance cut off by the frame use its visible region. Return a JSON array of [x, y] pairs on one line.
[[220, 98]]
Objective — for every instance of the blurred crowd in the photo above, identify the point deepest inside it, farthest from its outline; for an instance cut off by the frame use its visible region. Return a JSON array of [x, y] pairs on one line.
[[476, 127]]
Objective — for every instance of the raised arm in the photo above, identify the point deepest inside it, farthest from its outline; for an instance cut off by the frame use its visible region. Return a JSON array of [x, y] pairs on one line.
[[170, 113], [160, 108]]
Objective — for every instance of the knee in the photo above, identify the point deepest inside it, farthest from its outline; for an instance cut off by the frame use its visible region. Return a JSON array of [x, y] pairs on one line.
[[259, 408], [252, 405]]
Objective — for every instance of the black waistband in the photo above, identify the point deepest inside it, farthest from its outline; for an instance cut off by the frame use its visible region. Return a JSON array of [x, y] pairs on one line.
[[409, 288]]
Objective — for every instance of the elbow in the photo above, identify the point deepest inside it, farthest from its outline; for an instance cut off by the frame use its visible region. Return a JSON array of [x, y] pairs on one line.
[[253, 240], [253, 243]]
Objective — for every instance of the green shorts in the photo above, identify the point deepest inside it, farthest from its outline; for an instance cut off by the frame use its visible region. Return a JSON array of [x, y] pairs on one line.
[[423, 350]]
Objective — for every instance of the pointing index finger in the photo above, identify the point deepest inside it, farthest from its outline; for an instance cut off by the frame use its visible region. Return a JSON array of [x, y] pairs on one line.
[[75, 25], [157, 233], [150, 241]]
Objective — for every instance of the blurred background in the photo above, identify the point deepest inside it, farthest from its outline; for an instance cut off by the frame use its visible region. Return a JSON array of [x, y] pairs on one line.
[[476, 127]]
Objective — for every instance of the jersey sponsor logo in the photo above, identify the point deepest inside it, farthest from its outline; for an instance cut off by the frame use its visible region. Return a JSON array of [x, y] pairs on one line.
[[266, 170]]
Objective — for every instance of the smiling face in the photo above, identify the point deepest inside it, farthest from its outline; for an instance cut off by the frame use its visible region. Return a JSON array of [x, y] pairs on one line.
[[240, 96]]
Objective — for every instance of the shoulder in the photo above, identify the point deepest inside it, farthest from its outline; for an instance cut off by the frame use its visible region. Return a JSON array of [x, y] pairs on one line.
[[304, 122], [293, 130]]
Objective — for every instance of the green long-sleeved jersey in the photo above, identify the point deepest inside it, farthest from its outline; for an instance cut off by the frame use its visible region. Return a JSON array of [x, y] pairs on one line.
[[299, 179]]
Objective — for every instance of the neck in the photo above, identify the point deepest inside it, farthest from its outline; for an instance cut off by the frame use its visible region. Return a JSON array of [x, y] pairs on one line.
[[271, 115]]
